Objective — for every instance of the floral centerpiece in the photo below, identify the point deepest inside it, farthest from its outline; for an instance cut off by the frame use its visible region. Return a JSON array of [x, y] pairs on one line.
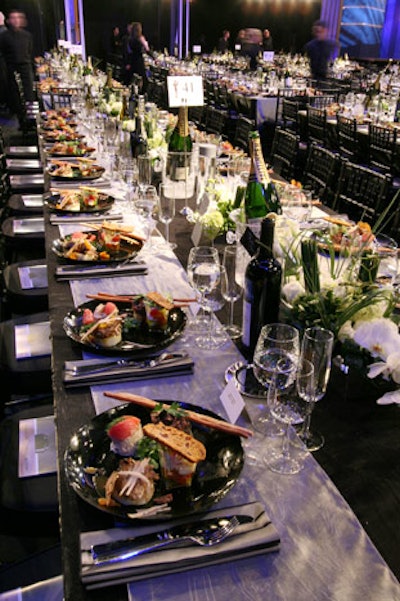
[[330, 280], [216, 219]]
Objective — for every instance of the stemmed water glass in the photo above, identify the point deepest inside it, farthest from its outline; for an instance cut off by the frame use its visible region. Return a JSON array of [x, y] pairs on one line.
[[202, 259], [287, 407], [214, 337], [231, 290], [316, 347], [277, 343], [166, 209]]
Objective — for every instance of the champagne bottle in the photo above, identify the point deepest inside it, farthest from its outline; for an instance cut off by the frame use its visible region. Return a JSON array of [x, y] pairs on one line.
[[124, 114], [109, 84], [262, 288], [138, 137], [261, 196], [180, 144]]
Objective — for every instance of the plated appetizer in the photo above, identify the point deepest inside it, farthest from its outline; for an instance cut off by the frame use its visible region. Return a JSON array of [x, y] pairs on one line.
[[141, 324], [82, 169], [62, 135], [108, 242], [86, 200], [345, 236], [73, 148], [117, 462]]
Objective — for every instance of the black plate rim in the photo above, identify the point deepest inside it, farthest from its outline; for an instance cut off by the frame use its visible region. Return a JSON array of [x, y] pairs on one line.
[[132, 409], [60, 178], [109, 201], [120, 350], [68, 261]]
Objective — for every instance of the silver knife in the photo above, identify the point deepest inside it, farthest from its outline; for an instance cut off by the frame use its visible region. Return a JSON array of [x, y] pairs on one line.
[[188, 534], [94, 367]]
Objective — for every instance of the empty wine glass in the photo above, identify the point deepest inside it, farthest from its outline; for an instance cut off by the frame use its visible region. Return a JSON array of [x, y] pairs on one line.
[[214, 336], [316, 347], [201, 258], [277, 342], [166, 209], [233, 289], [286, 407]]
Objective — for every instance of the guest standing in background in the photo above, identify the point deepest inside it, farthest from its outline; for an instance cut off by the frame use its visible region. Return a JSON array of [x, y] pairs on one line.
[[115, 46], [16, 46], [133, 59], [223, 42], [267, 42], [320, 50]]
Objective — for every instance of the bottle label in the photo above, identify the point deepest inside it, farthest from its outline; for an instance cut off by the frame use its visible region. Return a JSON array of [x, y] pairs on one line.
[[246, 322]]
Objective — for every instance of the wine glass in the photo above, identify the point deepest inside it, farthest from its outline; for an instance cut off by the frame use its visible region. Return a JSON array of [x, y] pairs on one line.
[[286, 407], [277, 342], [201, 258], [214, 337], [166, 209], [145, 205], [144, 163], [317, 346], [233, 289]]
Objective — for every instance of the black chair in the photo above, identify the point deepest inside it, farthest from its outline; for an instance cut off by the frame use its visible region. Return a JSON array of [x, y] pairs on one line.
[[28, 376], [317, 125], [25, 204], [23, 238], [244, 126], [362, 193], [196, 115], [25, 288], [383, 151], [290, 114], [347, 139], [321, 172], [215, 121], [21, 166], [284, 153]]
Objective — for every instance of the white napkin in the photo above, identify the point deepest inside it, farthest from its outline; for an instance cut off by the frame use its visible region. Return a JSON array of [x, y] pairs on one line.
[[249, 539]]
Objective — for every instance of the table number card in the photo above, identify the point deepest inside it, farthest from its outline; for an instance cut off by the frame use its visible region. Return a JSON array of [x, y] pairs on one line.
[[232, 401], [185, 90]]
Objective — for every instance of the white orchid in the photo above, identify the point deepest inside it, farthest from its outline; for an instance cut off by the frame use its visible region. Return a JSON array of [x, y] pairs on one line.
[[379, 336], [387, 369]]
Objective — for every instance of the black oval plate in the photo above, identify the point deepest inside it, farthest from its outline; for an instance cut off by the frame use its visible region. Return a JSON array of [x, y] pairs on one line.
[[214, 477], [124, 254], [97, 172], [105, 202], [141, 342]]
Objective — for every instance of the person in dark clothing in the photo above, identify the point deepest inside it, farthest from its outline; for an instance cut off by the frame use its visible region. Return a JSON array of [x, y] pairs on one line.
[[223, 42], [115, 46], [320, 50], [16, 47], [133, 61], [267, 42]]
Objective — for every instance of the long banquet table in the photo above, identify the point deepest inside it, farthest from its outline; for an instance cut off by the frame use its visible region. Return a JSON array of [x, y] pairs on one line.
[[325, 551]]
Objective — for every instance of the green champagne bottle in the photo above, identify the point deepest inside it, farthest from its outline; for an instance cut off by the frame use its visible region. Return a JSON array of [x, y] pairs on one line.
[[261, 196], [180, 148]]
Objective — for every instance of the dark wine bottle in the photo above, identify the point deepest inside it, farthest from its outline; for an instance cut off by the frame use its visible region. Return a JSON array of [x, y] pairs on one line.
[[262, 288], [180, 148], [261, 196], [138, 138]]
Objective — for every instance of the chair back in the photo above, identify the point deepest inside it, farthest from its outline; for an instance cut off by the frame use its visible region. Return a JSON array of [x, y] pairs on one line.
[[215, 120], [382, 147], [347, 136], [316, 125], [290, 114], [243, 127], [284, 152], [321, 173], [362, 193]]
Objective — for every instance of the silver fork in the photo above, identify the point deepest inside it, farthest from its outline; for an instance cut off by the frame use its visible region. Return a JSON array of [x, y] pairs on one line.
[[104, 366], [206, 537]]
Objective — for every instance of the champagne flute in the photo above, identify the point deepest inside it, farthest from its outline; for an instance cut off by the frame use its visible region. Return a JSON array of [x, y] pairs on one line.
[[231, 290], [215, 301], [277, 343], [317, 346], [166, 209], [286, 408]]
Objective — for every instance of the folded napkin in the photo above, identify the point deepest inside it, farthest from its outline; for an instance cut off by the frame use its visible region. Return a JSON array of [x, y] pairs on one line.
[[175, 367], [254, 538], [85, 217], [76, 272]]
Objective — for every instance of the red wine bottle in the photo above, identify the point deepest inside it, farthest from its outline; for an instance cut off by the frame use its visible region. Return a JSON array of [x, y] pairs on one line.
[[262, 288]]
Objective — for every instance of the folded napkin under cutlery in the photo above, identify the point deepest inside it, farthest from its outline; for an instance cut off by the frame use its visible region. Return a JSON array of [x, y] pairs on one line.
[[57, 219], [75, 272], [89, 372], [254, 535]]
